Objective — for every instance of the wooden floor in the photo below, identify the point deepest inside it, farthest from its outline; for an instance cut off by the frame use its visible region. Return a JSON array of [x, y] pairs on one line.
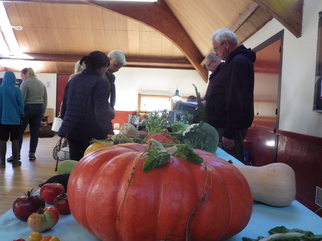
[[16, 181]]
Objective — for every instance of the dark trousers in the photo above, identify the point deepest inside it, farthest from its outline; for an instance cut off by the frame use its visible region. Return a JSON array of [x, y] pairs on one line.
[[33, 116], [238, 150], [77, 149], [9, 130]]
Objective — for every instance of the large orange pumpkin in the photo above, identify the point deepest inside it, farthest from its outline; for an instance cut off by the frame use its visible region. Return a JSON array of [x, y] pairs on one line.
[[115, 200]]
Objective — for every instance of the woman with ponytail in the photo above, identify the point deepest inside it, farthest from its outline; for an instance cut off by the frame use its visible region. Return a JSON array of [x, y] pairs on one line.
[[85, 107]]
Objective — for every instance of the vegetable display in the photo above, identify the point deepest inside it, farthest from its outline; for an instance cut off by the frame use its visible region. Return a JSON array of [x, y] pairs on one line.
[[282, 233], [177, 199]]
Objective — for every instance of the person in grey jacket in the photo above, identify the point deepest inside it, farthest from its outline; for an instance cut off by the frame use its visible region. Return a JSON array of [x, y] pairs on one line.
[[117, 61], [34, 94], [11, 112], [85, 108]]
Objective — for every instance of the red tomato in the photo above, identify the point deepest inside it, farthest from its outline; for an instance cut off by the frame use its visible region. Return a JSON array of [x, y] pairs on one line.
[[46, 238], [19, 239], [163, 138], [61, 203], [43, 220], [50, 191], [23, 206]]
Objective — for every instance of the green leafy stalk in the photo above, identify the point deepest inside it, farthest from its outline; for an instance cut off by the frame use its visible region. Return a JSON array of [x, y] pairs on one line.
[[158, 156], [155, 123], [202, 114]]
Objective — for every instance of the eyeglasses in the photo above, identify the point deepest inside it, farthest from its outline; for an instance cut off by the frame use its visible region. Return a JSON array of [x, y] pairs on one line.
[[216, 48], [208, 65]]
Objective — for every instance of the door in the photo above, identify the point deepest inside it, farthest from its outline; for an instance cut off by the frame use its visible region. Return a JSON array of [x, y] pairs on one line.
[[261, 142]]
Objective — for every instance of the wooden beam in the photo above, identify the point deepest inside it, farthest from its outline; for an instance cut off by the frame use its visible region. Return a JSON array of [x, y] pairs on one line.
[[131, 61], [160, 17], [288, 12], [251, 8]]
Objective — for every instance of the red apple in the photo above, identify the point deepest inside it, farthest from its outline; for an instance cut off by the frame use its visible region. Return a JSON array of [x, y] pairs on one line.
[[44, 219], [50, 191], [61, 203], [23, 206]]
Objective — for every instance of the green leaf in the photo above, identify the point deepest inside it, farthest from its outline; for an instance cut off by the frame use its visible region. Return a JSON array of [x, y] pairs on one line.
[[185, 152], [157, 158], [149, 164]]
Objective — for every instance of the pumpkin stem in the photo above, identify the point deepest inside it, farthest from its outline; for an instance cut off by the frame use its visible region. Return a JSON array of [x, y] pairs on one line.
[[158, 156]]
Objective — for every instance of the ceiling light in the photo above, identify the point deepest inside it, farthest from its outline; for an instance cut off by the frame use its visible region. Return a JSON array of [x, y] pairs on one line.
[[176, 96], [7, 33]]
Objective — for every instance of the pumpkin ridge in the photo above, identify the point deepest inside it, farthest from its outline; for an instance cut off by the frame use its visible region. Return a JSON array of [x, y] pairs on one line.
[[128, 186], [203, 197]]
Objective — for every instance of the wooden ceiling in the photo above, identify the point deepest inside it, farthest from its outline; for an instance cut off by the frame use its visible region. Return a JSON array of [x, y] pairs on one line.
[[166, 34]]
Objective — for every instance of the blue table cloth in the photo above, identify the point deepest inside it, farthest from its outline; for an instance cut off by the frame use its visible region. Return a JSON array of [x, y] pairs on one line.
[[263, 218]]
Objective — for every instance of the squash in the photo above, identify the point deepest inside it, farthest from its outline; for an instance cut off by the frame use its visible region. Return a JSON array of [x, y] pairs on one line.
[[114, 199], [273, 184], [66, 167], [98, 144]]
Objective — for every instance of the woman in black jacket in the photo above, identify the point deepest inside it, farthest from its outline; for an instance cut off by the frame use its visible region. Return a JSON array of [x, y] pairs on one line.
[[85, 105]]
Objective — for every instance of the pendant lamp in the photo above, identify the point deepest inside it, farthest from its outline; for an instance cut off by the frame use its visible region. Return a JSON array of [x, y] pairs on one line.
[[176, 96]]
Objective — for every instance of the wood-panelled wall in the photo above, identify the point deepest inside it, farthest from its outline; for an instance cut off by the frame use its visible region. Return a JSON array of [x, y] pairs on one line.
[[303, 153]]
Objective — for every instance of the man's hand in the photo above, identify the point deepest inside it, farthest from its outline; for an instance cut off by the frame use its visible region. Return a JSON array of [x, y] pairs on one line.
[[228, 144]]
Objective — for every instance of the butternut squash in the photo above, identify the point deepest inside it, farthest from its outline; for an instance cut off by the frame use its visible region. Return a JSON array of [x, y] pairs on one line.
[[273, 184]]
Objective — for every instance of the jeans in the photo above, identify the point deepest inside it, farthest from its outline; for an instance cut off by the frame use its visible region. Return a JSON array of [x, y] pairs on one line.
[[33, 116]]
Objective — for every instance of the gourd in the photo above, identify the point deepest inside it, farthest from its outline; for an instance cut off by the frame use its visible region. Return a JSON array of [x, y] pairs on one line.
[[66, 167], [115, 200], [273, 184]]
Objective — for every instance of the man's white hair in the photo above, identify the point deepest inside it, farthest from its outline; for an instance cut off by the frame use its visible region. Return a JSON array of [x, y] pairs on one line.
[[117, 56]]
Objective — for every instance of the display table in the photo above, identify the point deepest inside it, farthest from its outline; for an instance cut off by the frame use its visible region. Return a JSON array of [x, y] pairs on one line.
[[263, 218]]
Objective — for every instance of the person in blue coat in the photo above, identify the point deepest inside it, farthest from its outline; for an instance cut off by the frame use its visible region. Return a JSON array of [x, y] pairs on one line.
[[11, 113], [85, 108]]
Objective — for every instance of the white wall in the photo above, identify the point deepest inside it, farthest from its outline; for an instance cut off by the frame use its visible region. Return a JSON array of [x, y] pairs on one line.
[[133, 81], [298, 71]]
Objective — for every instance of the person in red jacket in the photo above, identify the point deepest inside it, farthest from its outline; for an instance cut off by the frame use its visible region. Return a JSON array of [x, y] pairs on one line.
[[230, 104]]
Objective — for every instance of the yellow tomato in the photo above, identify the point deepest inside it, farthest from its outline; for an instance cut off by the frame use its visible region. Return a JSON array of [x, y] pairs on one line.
[[35, 236], [54, 239]]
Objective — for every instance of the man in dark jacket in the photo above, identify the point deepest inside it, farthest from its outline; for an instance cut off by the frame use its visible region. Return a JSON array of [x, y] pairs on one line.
[[117, 61], [230, 104]]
